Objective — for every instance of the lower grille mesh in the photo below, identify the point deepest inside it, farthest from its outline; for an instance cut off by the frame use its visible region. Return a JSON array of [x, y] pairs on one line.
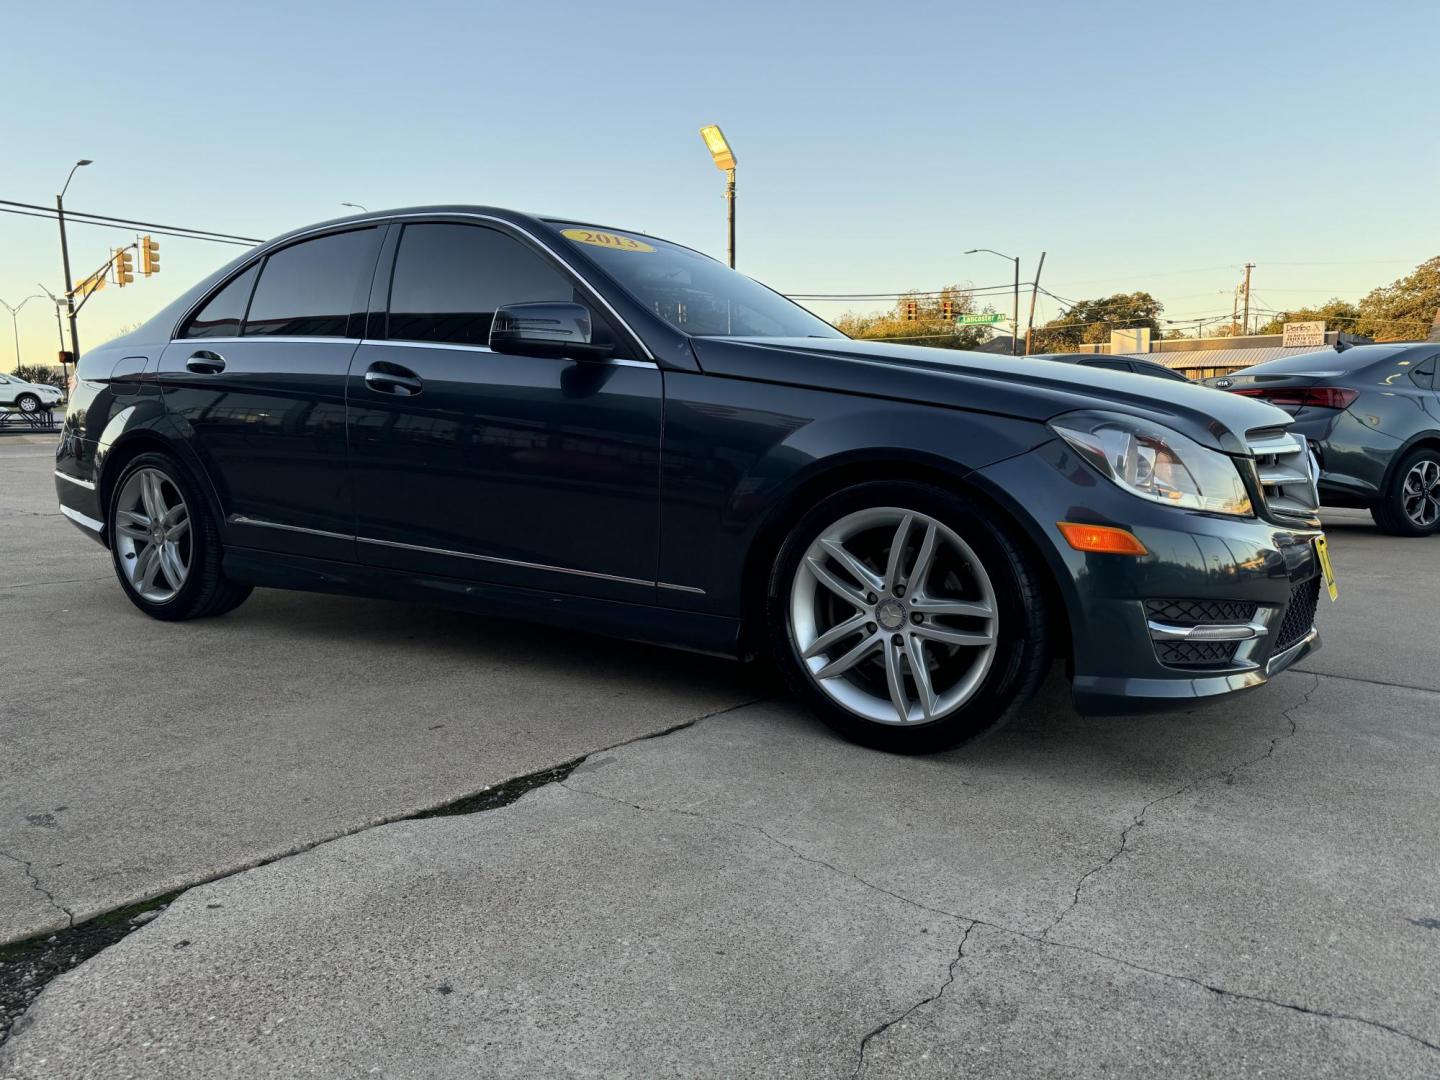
[[1196, 653], [1300, 615]]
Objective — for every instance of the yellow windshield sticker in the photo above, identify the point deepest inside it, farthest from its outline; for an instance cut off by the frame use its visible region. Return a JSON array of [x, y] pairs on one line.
[[606, 240]]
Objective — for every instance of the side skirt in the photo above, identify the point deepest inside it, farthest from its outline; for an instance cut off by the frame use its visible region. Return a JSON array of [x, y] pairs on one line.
[[692, 631]]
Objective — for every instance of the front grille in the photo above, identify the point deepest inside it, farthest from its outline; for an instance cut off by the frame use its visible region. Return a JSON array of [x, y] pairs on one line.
[[1300, 615], [1196, 653], [1286, 472], [1195, 612]]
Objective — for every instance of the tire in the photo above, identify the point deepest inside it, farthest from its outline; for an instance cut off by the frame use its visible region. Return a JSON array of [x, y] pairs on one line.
[[172, 574], [28, 404], [1412, 505], [975, 617]]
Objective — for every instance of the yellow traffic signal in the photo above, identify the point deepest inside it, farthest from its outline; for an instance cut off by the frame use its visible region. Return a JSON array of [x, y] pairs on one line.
[[149, 256], [912, 310], [947, 309], [124, 268]]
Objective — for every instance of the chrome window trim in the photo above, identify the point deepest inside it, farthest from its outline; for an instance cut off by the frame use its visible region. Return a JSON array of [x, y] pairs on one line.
[[82, 519], [377, 220], [618, 361], [241, 519], [88, 485], [266, 337]]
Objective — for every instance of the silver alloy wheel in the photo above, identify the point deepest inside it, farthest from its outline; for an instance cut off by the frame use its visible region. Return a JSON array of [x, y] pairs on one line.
[[893, 615], [29, 403], [152, 535], [1421, 493]]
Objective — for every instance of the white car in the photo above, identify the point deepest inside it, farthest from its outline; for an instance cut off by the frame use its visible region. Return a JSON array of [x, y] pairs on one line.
[[28, 397]]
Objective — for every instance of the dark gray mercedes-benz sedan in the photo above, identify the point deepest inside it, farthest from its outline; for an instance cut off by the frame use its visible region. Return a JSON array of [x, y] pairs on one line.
[[598, 429]]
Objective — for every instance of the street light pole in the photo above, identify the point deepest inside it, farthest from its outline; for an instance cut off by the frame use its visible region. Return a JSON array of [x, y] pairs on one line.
[[724, 159], [1015, 308], [730, 215], [65, 257], [15, 323], [357, 206]]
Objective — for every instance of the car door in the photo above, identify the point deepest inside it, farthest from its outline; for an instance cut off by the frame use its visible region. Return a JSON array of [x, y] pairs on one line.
[[513, 470], [257, 381]]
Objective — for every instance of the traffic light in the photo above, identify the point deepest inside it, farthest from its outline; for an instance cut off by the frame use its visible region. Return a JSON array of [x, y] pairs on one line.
[[912, 310], [124, 267], [149, 256], [947, 309]]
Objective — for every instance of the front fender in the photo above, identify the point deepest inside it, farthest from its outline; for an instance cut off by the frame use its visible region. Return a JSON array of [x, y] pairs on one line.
[[738, 454]]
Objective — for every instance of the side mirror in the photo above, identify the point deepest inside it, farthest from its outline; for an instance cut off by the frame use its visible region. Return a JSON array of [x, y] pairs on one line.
[[545, 329]]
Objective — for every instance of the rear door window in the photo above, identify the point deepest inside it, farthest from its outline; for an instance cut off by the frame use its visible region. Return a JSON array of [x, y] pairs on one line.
[[1109, 365], [309, 289], [222, 316]]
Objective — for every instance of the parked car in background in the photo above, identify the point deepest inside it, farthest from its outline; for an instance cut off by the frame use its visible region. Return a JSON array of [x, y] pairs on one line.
[[28, 397], [1114, 363], [1372, 414], [591, 427]]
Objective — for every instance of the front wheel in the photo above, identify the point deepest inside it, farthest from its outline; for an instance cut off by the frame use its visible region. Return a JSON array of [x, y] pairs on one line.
[[903, 617], [1412, 505], [28, 403], [165, 544]]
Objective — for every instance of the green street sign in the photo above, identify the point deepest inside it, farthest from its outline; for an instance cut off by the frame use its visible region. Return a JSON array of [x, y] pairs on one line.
[[985, 319]]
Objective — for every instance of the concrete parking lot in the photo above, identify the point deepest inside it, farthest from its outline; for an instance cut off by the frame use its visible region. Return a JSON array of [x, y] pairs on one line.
[[1245, 889]]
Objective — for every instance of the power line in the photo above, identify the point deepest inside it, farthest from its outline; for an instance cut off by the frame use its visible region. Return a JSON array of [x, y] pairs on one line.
[[169, 230], [974, 290], [126, 228]]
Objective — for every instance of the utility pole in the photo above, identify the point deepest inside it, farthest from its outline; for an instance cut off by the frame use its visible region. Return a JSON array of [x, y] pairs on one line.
[[1248, 268], [65, 257], [1034, 291]]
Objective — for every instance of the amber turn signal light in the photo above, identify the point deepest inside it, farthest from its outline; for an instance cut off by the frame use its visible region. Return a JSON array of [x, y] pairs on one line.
[[1103, 538]]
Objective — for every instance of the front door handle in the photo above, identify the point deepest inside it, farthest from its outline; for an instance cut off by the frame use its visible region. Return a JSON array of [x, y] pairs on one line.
[[386, 378], [205, 362]]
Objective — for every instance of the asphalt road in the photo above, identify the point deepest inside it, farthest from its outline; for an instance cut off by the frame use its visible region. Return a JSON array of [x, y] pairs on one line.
[[1246, 889]]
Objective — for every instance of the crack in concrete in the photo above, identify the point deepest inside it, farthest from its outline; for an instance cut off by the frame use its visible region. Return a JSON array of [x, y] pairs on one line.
[[38, 886], [61, 581], [1367, 682], [1228, 773], [888, 1024], [1037, 938]]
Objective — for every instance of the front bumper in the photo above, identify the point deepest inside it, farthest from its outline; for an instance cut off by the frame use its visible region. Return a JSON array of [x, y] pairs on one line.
[[1246, 583]]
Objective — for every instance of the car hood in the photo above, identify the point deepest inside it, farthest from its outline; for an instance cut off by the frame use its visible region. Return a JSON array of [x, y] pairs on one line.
[[1023, 387]]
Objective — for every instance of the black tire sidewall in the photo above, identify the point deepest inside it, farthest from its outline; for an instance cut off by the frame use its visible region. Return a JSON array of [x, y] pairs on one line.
[[1021, 639], [34, 402], [1391, 516], [203, 542]]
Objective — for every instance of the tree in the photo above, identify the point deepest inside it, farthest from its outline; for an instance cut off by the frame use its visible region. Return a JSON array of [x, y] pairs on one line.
[[1404, 309], [1090, 321], [1335, 313], [930, 327], [41, 375]]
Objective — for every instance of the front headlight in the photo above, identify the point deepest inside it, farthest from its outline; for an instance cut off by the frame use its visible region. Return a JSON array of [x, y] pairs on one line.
[[1156, 463]]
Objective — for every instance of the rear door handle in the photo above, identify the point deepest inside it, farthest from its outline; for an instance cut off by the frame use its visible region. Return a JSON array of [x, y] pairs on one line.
[[386, 378], [205, 362]]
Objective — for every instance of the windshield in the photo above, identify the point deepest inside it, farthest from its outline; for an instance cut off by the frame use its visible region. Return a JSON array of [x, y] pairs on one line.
[[692, 291]]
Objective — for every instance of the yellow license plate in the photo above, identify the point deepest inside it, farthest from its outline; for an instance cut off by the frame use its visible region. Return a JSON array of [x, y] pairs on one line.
[[1322, 552]]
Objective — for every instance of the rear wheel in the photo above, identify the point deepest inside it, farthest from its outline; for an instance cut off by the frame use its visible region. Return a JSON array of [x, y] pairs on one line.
[[904, 618], [1412, 505], [165, 545]]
